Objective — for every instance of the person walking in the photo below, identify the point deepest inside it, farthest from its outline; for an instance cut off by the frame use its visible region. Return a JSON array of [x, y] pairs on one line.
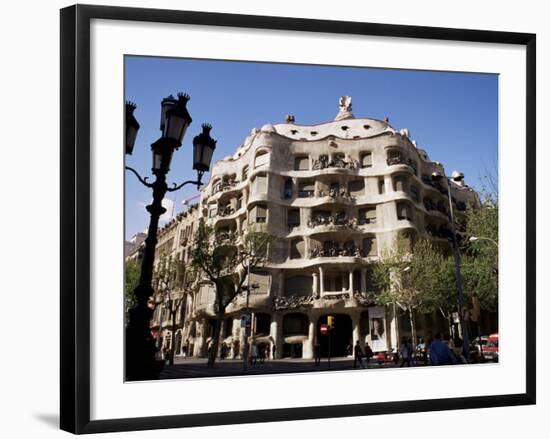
[[440, 353], [317, 351], [406, 353], [368, 354], [358, 355], [254, 354]]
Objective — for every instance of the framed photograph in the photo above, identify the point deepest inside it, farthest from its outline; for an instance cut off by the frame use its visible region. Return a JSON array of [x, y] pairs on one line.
[[273, 218]]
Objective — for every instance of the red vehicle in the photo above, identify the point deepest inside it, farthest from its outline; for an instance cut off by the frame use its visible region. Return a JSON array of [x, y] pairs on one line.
[[486, 347], [384, 357]]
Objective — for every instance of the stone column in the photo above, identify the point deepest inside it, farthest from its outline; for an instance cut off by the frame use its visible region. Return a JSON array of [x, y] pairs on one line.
[[307, 349], [355, 320], [242, 335], [363, 280], [394, 326], [235, 335], [275, 331], [350, 283], [388, 183], [223, 333], [200, 345], [321, 282], [238, 225], [281, 281], [315, 289]]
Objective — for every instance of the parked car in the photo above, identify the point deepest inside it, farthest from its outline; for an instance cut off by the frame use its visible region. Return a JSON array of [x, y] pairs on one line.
[[485, 348], [384, 357]]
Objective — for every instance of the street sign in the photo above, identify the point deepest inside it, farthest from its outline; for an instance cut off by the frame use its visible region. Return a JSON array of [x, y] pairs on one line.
[[324, 329]]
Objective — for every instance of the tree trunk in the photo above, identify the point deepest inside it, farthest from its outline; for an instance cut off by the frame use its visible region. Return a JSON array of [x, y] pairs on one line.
[[213, 351], [413, 326]]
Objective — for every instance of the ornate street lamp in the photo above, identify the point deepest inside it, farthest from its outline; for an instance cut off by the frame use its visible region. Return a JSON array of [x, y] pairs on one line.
[[175, 119], [458, 275], [132, 127], [203, 149]]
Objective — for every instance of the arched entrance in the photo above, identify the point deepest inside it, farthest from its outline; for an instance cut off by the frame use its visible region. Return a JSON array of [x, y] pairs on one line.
[[341, 336], [295, 332]]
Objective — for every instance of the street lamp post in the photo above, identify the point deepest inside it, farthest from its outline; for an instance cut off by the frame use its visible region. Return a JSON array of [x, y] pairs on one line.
[[175, 119], [248, 319], [456, 255]]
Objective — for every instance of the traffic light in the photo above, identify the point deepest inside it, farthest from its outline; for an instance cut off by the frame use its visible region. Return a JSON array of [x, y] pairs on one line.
[[330, 322]]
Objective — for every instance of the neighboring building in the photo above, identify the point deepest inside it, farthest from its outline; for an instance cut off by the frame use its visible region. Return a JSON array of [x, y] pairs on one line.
[[334, 196], [132, 246]]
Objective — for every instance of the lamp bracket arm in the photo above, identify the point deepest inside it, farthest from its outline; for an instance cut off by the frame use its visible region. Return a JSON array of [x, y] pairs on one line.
[[176, 187], [143, 180]]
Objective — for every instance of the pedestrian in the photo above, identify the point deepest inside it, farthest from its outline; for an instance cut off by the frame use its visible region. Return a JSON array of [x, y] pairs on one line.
[[166, 354], [358, 355], [440, 353], [254, 354], [317, 349], [421, 351], [458, 351], [368, 354], [406, 352]]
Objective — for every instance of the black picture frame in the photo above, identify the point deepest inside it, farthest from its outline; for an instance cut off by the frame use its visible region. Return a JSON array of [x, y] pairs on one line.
[[75, 217]]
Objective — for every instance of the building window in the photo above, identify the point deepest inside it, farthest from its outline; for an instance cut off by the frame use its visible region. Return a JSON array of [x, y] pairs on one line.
[[403, 212], [293, 218], [262, 159], [260, 280], [239, 202], [263, 324], [334, 189], [415, 194], [212, 211], [306, 190], [356, 188], [366, 160], [370, 247], [297, 249], [260, 184], [299, 286], [301, 163], [399, 184], [258, 214], [295, 324], [287, 189], [367, 215], [381, 186]]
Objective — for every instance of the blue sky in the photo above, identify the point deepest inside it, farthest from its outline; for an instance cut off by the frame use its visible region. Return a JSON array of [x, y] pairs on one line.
[[453, 116]]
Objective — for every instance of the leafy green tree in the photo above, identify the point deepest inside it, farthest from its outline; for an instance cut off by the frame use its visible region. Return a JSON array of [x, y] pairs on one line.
[[480, 260], [224, 262], [132, 271], [407, 276]]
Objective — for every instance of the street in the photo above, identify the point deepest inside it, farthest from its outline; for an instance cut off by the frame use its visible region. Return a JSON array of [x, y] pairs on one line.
[[197, 367]]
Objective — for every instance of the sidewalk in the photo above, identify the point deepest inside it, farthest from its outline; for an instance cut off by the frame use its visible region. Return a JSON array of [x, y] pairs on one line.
[[198, 368]]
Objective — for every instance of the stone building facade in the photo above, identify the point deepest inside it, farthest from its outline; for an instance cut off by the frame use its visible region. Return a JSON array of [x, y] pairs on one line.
[[334, 196]]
